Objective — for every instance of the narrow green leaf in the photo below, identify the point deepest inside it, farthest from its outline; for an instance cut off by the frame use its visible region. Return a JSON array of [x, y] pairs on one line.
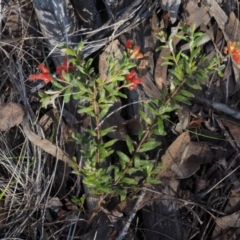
[[167, 63], [67, 94], [147, 146], [80, 47], [121, 192], [180, 36], [185, 56], [168, 57], [104, 111], [129, 144], [87, 110], [177, 74], [160, 126], [198, 40], [89, 63], [182, 99], [110, 143], [123, 156], [129, 181], [69, 51], [105, 131], [195, 86], [132, 170], [57, 84], [136, 161], [152, 180], [186, 93], [109, 89], [144, 117]]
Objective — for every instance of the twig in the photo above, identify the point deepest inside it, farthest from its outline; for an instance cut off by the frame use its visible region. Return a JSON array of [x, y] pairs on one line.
[[217, 106], [132, 215]]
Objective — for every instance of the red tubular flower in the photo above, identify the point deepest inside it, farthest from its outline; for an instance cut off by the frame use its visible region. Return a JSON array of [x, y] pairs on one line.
[[64, 67], [43, 68], [233, 49], [129, 44], [131, 78], [130, 75], [45, 75]]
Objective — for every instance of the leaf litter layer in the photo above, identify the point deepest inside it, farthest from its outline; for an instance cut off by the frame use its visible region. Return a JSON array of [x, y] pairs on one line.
[[41, 197]]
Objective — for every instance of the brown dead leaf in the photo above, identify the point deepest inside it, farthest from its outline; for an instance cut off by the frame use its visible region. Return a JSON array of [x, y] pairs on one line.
[[195, 13], [232, 220], [234, 129], [46, 145], [183, 158], [11, 114], [216, 11], [232, 28]]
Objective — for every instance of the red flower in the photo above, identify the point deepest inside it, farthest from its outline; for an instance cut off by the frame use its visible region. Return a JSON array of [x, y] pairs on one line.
[[45, 75], [65, 67], [129, 44], [131, 78], [130, 75], [233, 49]]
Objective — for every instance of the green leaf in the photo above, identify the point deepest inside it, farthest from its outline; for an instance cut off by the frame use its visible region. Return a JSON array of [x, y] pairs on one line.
[[185, 56], [177, 74], [195, 53], [147, 146], [123, 156], [145, 118], [178, 56], [186, 93], [69, 51], [57, 85], [109, 89], [67, 94], [160, 126], [121, 192], [140, 133], [195, 86], [104, 111], [110, 143], [89, 63], [170, 45], [180, 36], [105, 131], [168, 57], [129, 144], [198, 40], [136, 161], [182, 99], [132, 170], [129, 181], [87, 110], [80, 47], [122, 95], [152, 181], [167, 63]]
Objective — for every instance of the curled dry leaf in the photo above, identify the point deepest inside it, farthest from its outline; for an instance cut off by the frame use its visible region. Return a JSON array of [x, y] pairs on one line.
[[46, 145], [11, 114], [183, 158], [232, 220]]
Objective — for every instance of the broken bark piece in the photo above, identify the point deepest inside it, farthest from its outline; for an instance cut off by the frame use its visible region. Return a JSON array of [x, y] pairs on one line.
[[11, 114]]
